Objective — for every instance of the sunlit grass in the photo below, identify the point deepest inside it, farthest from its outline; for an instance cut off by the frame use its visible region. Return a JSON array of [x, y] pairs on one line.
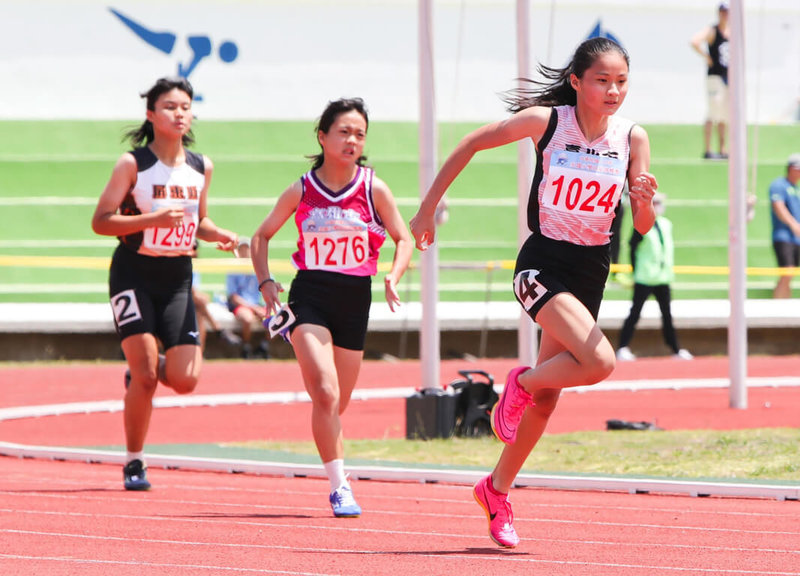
[[760, 454]]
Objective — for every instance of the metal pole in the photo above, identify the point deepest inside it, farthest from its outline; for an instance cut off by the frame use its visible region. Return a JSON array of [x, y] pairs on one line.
[[429, 275], [737, 229], [527, 344]]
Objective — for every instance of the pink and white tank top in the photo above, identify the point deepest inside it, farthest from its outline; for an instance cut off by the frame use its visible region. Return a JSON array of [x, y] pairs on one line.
[[578, 184], [339, 231]]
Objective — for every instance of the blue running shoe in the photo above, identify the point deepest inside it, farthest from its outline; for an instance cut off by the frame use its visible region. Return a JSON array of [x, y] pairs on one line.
[[343, 503], [135, 476]]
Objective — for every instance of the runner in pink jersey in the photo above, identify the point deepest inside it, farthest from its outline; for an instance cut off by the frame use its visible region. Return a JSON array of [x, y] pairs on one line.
[[339, 231], [584, 156], [343, 213]]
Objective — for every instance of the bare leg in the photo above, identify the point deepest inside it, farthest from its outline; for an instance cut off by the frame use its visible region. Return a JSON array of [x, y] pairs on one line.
[[783, 288], [587, 356], [574, 352], [141, 352], [204, 317], [722, 133], [330, 375], [246, 317], [707, 129], [532, 426], [182, 368]]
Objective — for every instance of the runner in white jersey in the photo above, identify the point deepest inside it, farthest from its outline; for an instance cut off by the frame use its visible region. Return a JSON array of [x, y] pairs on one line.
[[343, 213], [584, 157], [577, 202], [155, 202]]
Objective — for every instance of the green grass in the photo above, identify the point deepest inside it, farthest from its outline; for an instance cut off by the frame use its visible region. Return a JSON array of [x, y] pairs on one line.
[[761, 454], [51, 173]]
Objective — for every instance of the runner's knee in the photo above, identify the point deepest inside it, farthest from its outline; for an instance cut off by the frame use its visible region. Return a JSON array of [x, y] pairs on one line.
[[184, 384]]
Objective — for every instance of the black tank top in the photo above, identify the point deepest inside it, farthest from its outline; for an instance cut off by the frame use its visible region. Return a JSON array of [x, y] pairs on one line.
[[718, 50]]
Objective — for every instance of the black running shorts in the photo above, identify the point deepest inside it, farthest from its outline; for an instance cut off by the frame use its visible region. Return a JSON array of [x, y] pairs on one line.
[[339, 302], [547, 267], [153, 295]]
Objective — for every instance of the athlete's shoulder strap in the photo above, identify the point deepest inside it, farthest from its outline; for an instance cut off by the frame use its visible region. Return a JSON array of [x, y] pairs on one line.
[[552, 124], [144, 158], [196, 161]]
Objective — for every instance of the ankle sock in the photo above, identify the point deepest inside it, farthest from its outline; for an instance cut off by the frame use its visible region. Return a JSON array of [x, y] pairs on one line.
[[335, 471], [135, 456]]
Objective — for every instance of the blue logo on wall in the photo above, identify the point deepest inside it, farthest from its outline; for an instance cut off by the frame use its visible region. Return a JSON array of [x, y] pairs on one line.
[[600, 32], [201, 46]]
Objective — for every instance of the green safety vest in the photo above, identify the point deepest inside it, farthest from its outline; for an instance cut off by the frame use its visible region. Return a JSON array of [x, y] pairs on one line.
[[655, 255]]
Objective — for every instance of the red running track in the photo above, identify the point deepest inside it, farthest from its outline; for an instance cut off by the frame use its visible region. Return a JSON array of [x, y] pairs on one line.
[[59, 518]]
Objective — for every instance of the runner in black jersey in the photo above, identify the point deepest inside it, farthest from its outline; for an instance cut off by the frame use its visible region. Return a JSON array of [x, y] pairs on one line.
[[584, 156], [155, 202]]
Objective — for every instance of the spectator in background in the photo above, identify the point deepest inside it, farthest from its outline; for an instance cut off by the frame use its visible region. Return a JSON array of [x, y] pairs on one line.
[[712, 44], [652, 258], [246, 304], [205, 318], [783, 197]]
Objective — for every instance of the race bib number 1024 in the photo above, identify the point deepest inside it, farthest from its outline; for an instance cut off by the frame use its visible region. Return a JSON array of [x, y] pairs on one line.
[[583, 183]]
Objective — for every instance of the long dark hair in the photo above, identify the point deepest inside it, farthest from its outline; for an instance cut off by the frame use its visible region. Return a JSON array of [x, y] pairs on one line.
[[143, 135], [329, 116], [557, 90]]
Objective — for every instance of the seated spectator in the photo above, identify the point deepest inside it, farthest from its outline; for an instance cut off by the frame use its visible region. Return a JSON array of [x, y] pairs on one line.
[[246, 304], [205, 319]]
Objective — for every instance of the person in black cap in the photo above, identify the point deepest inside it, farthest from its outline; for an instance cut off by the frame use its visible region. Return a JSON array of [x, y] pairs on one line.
[[712, 44]]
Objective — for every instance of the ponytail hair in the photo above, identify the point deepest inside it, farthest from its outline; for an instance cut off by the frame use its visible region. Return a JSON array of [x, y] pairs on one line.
[[144, 135], [557, 90]]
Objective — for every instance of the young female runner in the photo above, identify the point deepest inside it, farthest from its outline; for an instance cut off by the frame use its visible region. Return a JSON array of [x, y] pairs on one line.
[[584, 155]]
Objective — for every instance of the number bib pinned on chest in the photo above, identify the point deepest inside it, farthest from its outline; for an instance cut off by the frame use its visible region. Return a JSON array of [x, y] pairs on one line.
[[169, 240], [335, 240], [583, 183]]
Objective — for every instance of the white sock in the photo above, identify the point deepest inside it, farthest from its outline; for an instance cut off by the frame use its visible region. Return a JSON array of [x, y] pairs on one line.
[[335, 471], [135, 456]]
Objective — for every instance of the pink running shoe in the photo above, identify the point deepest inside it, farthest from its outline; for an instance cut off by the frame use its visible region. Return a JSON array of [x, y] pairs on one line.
[[508, 411], [498, 512]]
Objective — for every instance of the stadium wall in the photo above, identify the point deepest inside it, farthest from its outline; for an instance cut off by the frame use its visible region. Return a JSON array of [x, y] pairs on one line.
[[266, 59]]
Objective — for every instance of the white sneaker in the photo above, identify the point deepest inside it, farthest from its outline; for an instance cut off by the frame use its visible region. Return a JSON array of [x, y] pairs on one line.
[[684, 354], [624, 354]]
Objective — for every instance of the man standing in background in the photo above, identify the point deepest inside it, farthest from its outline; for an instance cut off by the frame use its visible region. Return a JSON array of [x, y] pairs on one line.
[[712, 44], [783, 197]]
